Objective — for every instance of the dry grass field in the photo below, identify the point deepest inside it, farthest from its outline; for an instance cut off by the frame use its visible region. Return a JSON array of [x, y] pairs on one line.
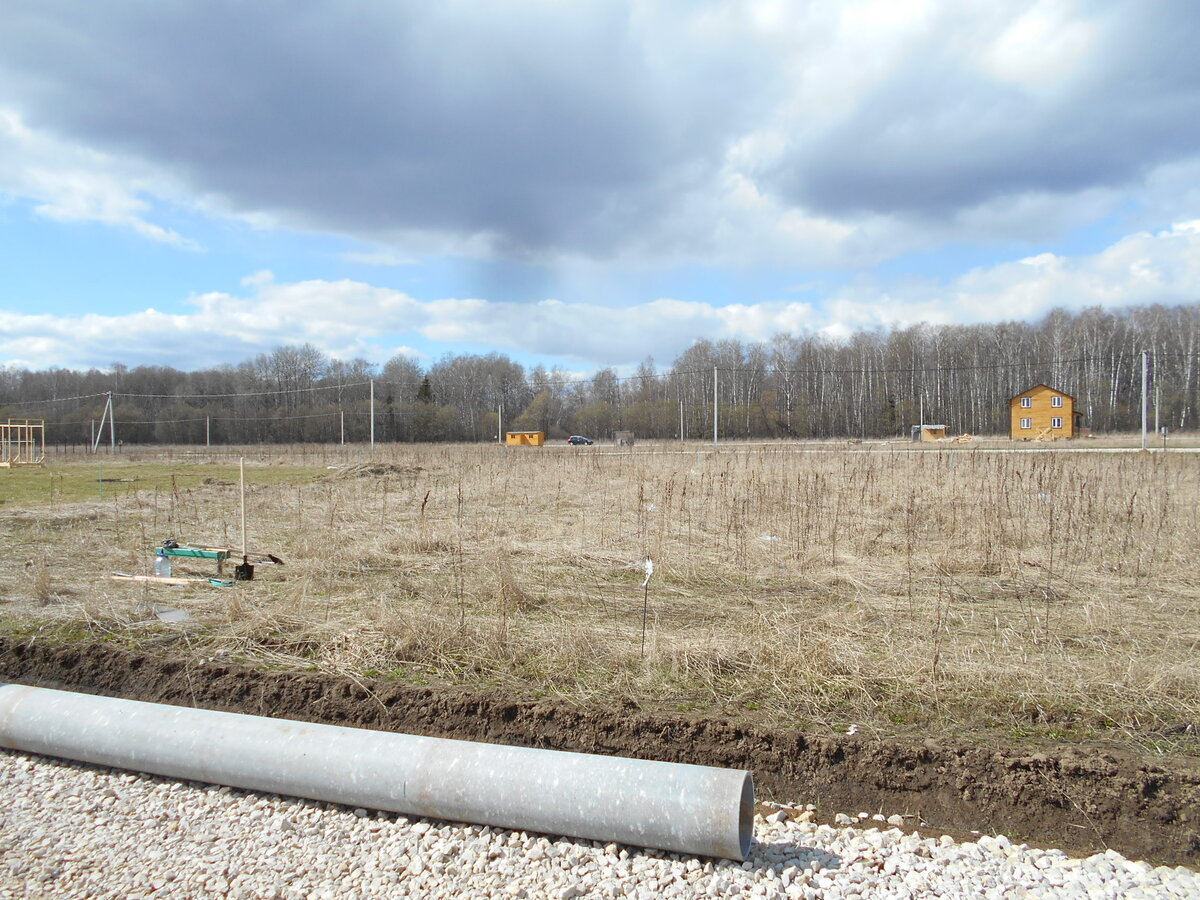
[[941, 591]]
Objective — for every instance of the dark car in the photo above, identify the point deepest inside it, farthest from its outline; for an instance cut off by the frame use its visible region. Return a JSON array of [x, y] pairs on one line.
[[579, 439]]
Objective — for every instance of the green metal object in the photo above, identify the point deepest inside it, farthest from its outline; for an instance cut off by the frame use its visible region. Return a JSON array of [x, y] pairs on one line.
[[196, 553]]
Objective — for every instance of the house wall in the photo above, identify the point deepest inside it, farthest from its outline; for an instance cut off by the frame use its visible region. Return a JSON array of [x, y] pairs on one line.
[[525, 438], [933, 433], [1041, 413]]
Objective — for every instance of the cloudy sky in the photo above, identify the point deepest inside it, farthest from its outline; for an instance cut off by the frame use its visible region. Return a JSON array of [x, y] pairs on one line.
[[580, 182]]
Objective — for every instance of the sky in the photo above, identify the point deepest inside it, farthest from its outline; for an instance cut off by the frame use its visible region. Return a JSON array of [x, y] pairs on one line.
[[580, 183]]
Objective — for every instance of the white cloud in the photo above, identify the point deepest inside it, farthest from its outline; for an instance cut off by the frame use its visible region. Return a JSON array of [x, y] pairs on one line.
[[71, 183], [1139, 269], [261, 277], [378, 258], [351, 318], [1044, 48]]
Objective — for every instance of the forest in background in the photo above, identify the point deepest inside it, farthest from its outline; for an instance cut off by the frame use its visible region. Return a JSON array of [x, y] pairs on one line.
[[874, 384]]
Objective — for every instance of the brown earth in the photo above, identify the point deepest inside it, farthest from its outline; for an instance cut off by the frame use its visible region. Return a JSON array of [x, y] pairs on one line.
[[1081, 799], [373, 470]]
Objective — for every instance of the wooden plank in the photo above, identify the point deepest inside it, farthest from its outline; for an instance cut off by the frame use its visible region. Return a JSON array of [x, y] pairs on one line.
[[156, 579]]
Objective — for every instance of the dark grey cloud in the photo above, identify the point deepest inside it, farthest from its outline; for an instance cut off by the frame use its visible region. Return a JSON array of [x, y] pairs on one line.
[[592, 126], [541, 124], [941, 136]]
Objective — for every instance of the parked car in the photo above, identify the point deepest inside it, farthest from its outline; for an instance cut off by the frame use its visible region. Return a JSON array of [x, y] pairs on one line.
[[579, 439]]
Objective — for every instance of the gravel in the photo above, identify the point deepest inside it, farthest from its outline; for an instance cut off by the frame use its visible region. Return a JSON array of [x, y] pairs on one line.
[[70, 830]]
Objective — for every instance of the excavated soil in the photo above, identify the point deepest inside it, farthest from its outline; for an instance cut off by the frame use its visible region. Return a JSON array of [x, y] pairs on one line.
[[374, 470], [1079, 799]]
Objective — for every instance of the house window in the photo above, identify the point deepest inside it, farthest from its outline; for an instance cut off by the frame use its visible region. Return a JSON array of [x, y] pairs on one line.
[[1028, 423], [1056, 401], [1026, 402], [1056, 422]]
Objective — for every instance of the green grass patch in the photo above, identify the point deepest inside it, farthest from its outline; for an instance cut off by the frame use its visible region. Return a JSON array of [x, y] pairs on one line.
[[77, 482]]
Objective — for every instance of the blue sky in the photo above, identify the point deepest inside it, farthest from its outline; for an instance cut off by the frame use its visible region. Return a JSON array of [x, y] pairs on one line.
[[581, 183]]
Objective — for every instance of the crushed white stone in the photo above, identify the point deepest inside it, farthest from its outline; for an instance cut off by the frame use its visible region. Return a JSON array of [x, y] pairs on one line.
[[70, 830]]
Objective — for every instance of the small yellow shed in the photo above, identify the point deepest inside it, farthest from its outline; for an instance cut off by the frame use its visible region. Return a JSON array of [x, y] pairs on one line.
[[525, 438], [922, 433], [933, 432]]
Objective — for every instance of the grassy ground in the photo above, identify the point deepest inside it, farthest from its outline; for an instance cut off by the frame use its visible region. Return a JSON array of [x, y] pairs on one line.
[[67, 483], [1030, 596]]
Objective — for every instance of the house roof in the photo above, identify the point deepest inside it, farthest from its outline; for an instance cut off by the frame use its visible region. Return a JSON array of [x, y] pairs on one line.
[[1047, 387]]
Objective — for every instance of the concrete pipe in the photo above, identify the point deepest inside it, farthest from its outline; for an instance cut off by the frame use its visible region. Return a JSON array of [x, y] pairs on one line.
[[669, 806]]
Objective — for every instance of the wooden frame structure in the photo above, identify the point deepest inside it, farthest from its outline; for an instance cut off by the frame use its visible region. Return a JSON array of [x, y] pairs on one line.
[[22, 443]]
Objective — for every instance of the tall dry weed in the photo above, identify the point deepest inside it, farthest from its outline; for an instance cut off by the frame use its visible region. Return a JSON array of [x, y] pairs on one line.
[[885, 587], [41, 587]]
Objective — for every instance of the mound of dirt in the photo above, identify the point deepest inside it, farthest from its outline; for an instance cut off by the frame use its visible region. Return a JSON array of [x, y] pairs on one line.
[[1074, 798], [374, 470]]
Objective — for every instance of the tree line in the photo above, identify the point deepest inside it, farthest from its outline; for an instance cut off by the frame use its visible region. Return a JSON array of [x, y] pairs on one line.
[[872, 384]]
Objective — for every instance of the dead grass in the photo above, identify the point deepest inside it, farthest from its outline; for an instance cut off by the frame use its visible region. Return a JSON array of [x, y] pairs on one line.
[[1044, 596]]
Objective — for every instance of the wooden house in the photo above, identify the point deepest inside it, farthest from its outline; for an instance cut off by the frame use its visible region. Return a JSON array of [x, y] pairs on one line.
[[1043, 413]]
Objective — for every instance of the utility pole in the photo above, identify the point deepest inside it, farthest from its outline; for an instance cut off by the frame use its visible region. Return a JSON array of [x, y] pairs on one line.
[[99, 432], [208, 431], [342, 413], [372, 413], [681, 434], [1145, 382], [714, 407]]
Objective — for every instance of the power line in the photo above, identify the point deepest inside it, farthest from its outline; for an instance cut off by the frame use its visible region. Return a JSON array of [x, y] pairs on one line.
[[53, 400], [133, 423], [300, 390], [553, 380]]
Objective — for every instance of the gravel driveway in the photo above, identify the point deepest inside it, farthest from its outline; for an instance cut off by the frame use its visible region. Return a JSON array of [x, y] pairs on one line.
[[72, 830]]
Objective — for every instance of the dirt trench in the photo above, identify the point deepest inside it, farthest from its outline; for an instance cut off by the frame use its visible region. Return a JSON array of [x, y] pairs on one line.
[[1079, 799]]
